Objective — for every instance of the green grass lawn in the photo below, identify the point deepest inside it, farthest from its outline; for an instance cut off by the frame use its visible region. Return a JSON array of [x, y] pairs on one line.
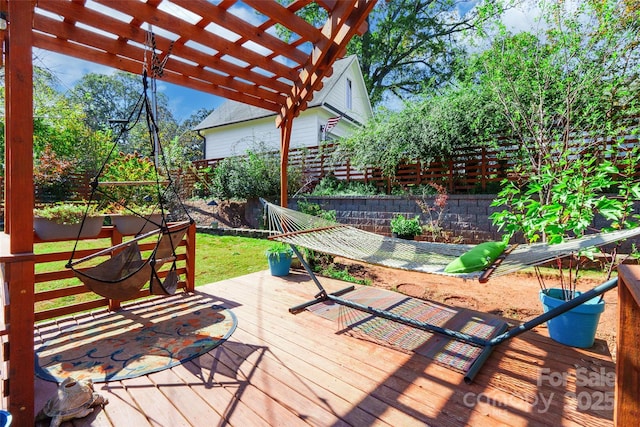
[[223, 257], [217, 257]]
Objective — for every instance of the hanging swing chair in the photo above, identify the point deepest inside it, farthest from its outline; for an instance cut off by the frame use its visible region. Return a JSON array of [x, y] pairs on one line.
[[126, 271], [123, 275]]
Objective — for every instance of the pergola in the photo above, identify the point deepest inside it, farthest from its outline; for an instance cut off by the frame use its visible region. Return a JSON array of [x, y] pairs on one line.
[[229, 48]]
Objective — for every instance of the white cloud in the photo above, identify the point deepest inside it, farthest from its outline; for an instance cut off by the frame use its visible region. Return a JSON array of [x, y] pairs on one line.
[[524, 17], [67, 69]]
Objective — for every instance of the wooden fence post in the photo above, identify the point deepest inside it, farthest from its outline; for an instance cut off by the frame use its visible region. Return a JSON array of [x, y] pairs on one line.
[[626, 410]]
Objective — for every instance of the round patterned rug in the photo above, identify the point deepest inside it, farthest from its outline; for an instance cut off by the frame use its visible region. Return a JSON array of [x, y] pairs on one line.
[[129, 344]]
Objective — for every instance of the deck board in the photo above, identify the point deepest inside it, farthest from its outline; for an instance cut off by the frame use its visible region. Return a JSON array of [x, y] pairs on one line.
[[284, 369]]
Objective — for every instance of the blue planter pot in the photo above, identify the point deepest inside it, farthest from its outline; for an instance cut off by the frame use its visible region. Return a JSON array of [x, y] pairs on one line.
[[577, 327], [279, 265], [5, 419]]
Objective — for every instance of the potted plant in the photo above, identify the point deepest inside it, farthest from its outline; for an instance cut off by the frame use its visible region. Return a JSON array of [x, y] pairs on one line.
[[564, 199], [405, 228], [279, 257], [134, 218], [576, 171], [64, 221]]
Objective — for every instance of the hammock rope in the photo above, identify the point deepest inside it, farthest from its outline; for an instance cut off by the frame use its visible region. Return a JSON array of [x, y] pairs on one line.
[[321, 235], [318, 234], [296, 228]]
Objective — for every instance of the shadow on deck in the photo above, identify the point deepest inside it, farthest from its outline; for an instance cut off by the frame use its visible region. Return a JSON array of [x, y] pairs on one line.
[[284, 369]]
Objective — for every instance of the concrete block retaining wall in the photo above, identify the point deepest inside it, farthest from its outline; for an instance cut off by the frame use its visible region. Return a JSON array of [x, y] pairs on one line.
[[465, 217]]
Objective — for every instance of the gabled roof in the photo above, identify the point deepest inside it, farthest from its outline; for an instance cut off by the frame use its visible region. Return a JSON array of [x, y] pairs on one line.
[[230, 111]]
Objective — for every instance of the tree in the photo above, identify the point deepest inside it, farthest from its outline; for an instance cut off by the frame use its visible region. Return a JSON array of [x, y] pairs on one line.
[[188, 145], [410, 45], [427, 130], [567, 90], [118, 97], [570, 97], [59, 124]]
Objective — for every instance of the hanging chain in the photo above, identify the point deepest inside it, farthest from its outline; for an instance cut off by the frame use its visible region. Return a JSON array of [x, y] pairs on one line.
[[157, 64]]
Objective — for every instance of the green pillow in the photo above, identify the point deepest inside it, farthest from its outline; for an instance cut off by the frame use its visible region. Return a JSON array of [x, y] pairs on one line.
[[477, 258]]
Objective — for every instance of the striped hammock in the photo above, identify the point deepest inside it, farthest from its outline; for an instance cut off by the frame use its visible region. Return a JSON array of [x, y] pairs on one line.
[[321, 235]]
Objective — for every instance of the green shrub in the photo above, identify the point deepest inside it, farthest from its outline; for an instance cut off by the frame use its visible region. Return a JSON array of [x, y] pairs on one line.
[[257, 174], [331, 186], [52, 176], [131, 167], [403, 226], [316, 210], [64, 213]]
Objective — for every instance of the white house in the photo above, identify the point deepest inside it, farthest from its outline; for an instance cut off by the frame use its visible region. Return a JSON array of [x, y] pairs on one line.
[[342, 102]]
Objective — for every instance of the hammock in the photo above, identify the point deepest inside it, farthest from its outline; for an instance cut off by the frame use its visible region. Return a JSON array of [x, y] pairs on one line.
[[123, 275], [318, 234], [321, 235]]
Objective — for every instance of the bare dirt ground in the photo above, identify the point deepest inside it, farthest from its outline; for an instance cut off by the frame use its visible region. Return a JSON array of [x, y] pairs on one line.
[[514, 296], [228, 214]]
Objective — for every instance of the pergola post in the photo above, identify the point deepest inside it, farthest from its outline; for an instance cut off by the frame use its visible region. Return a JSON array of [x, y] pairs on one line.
[[17, 249], [285, 139]]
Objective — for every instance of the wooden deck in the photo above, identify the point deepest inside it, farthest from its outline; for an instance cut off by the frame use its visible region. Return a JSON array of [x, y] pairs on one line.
[[290, 370]]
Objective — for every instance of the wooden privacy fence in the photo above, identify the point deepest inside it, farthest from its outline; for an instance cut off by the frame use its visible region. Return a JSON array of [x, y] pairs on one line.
[[474, 169]]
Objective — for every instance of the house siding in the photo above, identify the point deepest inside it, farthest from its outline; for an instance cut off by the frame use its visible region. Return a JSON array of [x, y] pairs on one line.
[[337, 98], [231, 139], [235, 139]]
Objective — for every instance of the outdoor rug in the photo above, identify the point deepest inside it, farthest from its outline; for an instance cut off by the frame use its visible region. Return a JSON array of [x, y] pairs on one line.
[[131, 343], [440, 348]]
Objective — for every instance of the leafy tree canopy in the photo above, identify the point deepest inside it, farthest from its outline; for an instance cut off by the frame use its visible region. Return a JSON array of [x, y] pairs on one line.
[[187, 145], [105, 98], [427, 130], [570, 96], [410, 45], [578, 77]]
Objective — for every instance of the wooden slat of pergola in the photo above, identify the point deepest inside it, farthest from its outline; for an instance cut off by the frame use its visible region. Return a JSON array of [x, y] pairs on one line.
[[214, 48]]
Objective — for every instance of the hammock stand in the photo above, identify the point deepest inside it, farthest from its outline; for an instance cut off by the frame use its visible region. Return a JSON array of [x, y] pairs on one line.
[[296, 228]]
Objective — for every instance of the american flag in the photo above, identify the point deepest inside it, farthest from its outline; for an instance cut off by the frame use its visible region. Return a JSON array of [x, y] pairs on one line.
[[331, 123]]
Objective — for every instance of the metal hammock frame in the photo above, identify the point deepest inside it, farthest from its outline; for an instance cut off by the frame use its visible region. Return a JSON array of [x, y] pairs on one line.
[[318, 234]]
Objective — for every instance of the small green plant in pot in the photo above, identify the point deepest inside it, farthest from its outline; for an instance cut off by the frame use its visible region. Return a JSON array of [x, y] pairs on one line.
[[406, 228], [64, 221], [279, 257]]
